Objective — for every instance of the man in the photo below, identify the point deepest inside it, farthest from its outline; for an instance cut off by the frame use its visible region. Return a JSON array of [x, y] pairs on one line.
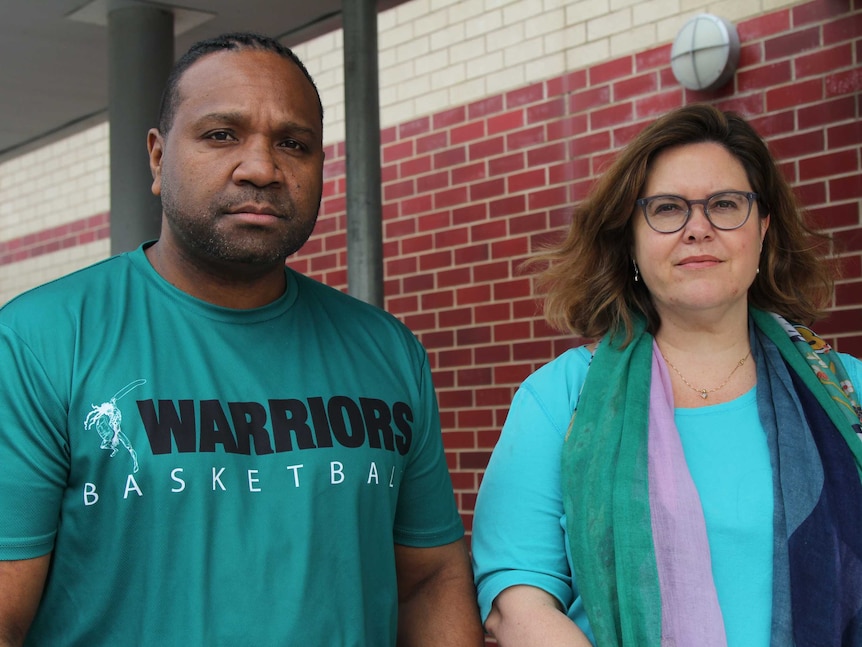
[[199, 446]]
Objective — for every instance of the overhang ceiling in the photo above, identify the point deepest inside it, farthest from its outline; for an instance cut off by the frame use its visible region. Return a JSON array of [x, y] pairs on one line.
[[53, 54]]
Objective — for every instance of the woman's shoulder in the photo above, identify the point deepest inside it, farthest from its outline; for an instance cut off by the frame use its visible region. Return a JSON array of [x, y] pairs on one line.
[[560, 379]]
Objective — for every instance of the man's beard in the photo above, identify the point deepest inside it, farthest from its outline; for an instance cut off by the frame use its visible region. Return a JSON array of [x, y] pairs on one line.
[[204, 237]]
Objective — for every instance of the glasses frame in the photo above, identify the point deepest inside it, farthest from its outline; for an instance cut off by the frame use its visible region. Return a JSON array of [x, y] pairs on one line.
[[642, 203]]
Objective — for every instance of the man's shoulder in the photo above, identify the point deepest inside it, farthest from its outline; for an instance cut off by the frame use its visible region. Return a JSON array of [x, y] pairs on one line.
[[75, 287]]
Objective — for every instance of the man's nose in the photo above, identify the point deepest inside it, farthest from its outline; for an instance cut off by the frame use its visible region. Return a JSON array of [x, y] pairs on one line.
[[257, 164]]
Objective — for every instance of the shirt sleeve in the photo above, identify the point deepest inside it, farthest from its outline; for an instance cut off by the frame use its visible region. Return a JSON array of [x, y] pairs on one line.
[[33, 452], [519, 526], [426, 514]]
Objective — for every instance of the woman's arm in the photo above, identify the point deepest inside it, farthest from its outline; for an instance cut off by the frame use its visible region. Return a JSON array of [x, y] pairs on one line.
[[524, 616]]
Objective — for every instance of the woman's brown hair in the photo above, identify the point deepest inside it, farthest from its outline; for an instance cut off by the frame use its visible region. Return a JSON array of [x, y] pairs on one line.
[[588, 279]]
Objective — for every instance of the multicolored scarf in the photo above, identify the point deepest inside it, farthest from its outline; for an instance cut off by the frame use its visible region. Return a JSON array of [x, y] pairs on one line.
[[635, 524]]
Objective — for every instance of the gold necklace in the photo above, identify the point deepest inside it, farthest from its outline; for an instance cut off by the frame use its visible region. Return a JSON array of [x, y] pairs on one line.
[[704, 393]]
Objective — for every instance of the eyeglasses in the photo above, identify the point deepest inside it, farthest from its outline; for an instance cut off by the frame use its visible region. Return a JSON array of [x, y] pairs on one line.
[[667, 214]]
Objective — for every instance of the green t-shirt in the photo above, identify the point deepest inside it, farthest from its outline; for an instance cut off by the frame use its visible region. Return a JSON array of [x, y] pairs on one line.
[[208, 476]]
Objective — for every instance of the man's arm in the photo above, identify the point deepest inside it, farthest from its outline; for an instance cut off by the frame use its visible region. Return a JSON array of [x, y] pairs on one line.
[[436, 597], [21, 584]]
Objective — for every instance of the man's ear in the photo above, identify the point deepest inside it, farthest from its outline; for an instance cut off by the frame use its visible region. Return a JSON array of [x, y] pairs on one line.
[[156, 151]]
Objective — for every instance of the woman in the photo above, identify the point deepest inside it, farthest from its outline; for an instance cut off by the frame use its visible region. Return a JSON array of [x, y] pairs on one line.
[[707, 489]]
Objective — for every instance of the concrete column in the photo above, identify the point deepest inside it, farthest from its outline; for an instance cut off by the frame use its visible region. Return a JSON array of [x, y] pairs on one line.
[[140, 56], [362, 143]]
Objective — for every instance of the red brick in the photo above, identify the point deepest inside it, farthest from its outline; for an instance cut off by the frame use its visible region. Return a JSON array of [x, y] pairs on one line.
[[611, 70], [525, 138], [794, 94], [398, 190], [449, 117], [569, 82], [547, 198], [472, 294], [818, 10], [487, 190], [495, 396], [846, 188], [568, 171], [488, 272], [485, 107], [388, 135], [659, 103], [511, 374], [750, 55], [477, 376], [455, 318], [533, 350], [748, 106], [832, 216], [764, 76], [414, 127], [452, 358], [470, 173], [832, 163], [334, 168], [402, 305], [635, 86], [416, 244], [512, 331], [415, 166], [487, 148], [566, 128], [611, 116], [652, 58], [475, 335], [845, 28], [416, 205], [489, 230], [845, 134], [527, 180], [492, 312], [432, 181], [591, 143], [505, 122], [823, 61], [397, 151], [472, 255], [432, 142], [848, 294], [523, 96], [589, 99], [450, 157], [400, 266], [435, 301], [828, 112], [438, 339], [450, 198], [495, 355], [506, 165], [811, 194], [508, 206], [509, 248], [774, 123], [514, 289], [389, 173], [467, 132], [528, 223], [420, 283], [546, 111], [847, 82], [470, 213], [451, 238], [453, 278], [798, 145], [435, 260], [792, 44]]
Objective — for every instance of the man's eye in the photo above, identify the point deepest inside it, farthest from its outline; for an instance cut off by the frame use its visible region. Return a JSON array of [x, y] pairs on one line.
[[220, 136], [292, 144]]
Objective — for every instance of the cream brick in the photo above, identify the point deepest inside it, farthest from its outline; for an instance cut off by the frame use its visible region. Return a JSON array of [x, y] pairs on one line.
[[506, 79], [585, 10], [566, 39], [496, 4], [467, 50], [521, 11], [734, 10], [587, 54], [431, 63], [471, 90], [432, 22], [433, 102], [506, 37], [617, 5], [485, 65], [410, 12], [460, 11], [613, 23], [634, 40], [415, 49], [395, 36], [529, 50], [446, 37], [545, 23], [550, 5], [489, 22], [415, 87], [651, 11], [546, 68]]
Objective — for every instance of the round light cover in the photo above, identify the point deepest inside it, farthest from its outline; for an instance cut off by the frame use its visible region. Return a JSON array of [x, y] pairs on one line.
[[705, 53]]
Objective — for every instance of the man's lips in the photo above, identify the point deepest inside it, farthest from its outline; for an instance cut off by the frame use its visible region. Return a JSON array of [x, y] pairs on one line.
[[255, 214]]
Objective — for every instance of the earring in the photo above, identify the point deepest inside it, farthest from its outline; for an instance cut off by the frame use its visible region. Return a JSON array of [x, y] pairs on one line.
[[637, 272]]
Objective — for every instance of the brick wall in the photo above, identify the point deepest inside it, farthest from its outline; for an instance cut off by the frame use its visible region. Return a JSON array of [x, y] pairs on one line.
[[470, 190]]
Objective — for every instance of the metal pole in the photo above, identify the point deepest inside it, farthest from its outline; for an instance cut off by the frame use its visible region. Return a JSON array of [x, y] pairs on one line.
[[362, 139], [140, 56]]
